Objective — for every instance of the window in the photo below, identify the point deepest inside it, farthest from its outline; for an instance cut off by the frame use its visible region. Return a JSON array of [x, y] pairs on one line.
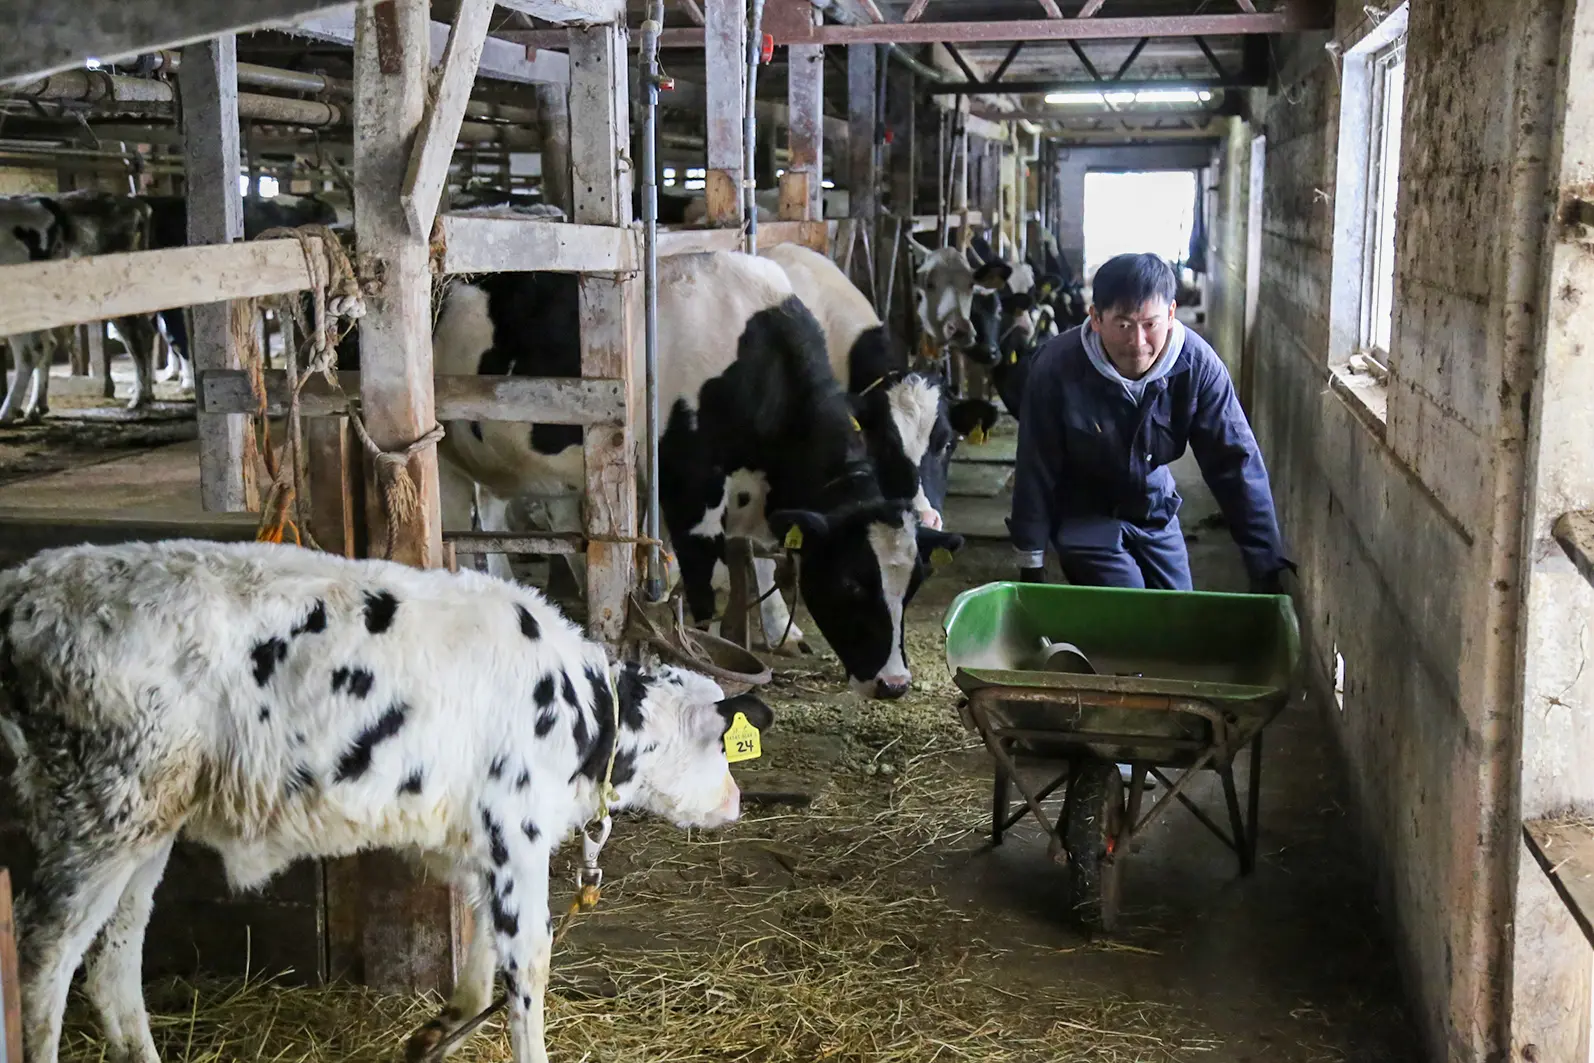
[[1387, 71], [1361, 351]]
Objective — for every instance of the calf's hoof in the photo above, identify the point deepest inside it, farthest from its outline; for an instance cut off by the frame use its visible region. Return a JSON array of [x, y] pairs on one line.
[[35, 416], [423, 1042]]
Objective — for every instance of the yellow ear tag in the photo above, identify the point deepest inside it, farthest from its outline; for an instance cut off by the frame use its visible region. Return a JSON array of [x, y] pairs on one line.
[[940, 556], [741, 741], [977, 435], [856, 427], [1012, 357], [794, 538]]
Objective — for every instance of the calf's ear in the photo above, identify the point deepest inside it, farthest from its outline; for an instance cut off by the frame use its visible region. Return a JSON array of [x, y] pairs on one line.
[[969, 414], [758, 714], [932, 539], [991, 276]]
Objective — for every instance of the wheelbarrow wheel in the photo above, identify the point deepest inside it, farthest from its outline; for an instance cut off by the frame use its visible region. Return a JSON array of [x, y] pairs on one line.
[[1095, 811]]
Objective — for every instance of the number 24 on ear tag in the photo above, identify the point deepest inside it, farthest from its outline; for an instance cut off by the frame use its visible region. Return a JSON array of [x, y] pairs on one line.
[[741, 741]]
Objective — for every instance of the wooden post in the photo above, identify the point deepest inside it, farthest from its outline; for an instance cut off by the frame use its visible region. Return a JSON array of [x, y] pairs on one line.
[[553, 123], [391, 48], [600, 109], [725, 62], [896, 263], [385, 925], [208, 88], [10, 986], [802, 188], [862, 177], [427, 172]]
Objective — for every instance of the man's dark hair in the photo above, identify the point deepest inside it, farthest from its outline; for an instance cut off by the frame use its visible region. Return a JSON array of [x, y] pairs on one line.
[[1127, 281]]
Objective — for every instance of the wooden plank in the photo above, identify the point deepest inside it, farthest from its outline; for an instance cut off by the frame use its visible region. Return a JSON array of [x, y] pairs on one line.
[[687, 241], [600, 108], [725, 65], [43, 36], [10, 982], [1297, 18], [1564, 849], [545, 400], [395, 333], [386, 921], [42, 295], [805, 87], [434, 147], [334, 458], [478, 243], [501, 60], [926, 223], [465, 542], [209, 97], [568, 10]]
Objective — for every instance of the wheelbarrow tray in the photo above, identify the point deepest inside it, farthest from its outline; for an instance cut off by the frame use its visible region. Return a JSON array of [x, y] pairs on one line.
[[1184, 679], [1197, 654]]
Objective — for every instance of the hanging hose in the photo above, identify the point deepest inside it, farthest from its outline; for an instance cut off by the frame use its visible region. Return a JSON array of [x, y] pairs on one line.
[[653, 586], [755, 41]]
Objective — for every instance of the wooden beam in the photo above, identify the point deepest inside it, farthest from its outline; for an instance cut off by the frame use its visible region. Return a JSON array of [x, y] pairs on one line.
[[805, 166], [10, 978], [465, 542], [434, 147], [476, 243], [41, 295], [915, 9], [43, 36], [1294, 19], [209, 96], [538, 400], [725, 66], [1564, 850], [501, 60], [569, 10], [600, 109]]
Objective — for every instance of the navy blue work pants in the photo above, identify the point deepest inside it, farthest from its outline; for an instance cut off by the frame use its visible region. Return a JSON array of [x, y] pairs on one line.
[[1114, 553]]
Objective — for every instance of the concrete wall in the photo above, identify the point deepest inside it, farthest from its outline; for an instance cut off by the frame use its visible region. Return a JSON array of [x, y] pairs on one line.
[[1409, 533]]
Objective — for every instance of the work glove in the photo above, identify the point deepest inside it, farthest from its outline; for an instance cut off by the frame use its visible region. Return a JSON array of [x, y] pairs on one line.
[[1274, 582], [1032, 575]]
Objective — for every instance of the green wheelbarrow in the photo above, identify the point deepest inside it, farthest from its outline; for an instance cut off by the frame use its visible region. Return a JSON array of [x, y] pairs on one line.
[[1074, 681]]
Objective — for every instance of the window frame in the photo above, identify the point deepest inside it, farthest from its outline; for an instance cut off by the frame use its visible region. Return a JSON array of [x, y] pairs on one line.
[[1380, 225]]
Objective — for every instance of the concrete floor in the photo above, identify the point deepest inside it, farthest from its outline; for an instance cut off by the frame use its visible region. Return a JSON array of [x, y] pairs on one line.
[[1290, 963]]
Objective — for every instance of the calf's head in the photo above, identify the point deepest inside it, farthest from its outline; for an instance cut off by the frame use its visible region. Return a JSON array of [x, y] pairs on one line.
[[671, 759]]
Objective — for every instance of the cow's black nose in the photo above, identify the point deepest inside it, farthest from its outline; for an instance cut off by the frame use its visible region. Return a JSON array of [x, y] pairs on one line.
[[890, 689]]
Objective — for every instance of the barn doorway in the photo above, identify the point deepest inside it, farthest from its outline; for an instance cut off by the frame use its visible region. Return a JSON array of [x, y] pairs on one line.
[[1147, 211]]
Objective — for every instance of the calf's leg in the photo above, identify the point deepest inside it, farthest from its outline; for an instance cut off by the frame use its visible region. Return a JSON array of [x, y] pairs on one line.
[[492, 514], [24, 355], [115, 965], [139, 335], [77, 888], [518, 903], [473, 989]]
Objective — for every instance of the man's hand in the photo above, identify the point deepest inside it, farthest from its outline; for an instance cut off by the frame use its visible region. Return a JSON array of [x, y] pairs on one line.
[[1032, 575], [1272, 583]]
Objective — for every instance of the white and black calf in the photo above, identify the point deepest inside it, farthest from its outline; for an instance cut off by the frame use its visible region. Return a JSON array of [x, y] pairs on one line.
[[275, 704], [945, 285], [750, 408]]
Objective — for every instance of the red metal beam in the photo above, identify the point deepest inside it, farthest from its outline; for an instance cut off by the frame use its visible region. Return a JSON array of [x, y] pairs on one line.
[[915, 9], [1090, 8], [1286, 20], [1052, 10]]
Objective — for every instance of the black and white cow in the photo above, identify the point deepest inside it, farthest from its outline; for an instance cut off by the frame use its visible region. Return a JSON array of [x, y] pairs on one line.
[[945, 284], [912, 425], [750, 408], [274, 704], [84, 223], [30, 231]]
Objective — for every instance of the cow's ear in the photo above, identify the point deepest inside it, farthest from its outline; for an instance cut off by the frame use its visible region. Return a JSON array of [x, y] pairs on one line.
[[991, 276], [749, 705], [970, 414], [1018, 301], [793, 527], [921, 254], [933, 539]]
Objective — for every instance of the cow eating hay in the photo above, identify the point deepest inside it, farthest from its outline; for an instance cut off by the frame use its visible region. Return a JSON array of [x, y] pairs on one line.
[[274, 704]]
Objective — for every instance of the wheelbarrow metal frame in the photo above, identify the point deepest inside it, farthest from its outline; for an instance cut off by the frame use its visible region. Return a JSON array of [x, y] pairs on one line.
[[1230, 733]]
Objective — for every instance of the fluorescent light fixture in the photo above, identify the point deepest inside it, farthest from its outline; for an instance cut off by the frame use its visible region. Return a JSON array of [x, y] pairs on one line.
[[1122, 97]]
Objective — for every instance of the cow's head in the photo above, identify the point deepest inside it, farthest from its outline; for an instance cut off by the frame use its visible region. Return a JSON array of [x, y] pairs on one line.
[[859, 565], [671, 759], [913, 429], [945, 285]]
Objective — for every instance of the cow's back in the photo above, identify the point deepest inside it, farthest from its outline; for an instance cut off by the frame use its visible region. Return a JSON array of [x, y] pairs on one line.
[[843, 311]]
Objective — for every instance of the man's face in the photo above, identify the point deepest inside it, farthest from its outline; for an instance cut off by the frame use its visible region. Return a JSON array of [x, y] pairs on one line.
[[1133, 337]]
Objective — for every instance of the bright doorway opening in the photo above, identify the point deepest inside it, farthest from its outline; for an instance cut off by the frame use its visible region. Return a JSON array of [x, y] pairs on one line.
[[1138, 212]]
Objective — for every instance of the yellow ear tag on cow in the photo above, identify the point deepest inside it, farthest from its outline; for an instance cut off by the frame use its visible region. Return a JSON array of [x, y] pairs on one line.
[[856, 427], [977, 435], [940, 556], [741, 741], [1012, 357], [794, 538]]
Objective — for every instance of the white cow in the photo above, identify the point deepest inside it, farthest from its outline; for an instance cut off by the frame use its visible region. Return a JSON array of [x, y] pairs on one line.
[[274, 704]]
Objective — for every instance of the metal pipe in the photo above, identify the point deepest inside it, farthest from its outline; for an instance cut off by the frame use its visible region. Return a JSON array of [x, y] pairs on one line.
[[292, 112], [652, 26], [755, 33], [846, 17], [270, 77], [97, 86]]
